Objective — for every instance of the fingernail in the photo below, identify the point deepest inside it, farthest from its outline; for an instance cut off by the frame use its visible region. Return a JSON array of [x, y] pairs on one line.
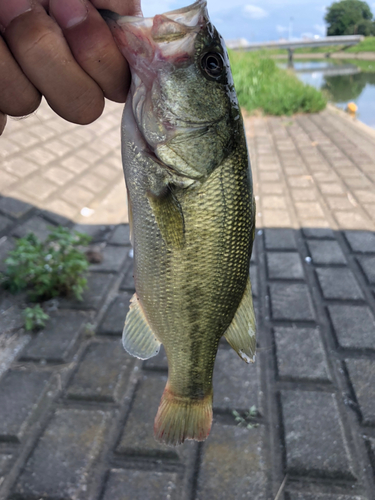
[[9, 10], [69, 13]]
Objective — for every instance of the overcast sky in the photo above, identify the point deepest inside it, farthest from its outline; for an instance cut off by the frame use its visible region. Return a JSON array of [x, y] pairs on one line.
[[257, 20]]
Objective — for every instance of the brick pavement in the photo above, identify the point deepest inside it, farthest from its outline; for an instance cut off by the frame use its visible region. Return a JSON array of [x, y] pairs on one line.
[[76, 412]]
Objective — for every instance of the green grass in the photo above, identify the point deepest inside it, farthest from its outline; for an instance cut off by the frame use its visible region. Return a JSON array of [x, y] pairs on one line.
[[365, 66], [368, 45], [260, 84]]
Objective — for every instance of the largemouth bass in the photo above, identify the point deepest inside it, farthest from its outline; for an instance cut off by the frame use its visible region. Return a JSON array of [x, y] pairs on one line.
[[191, 209]]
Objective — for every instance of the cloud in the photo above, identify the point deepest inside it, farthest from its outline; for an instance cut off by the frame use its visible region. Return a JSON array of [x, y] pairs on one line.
[[254, 12], [282, 29], [321, 29]]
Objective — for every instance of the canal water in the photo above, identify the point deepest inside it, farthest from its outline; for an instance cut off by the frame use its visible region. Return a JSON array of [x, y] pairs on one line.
[[343, 82]]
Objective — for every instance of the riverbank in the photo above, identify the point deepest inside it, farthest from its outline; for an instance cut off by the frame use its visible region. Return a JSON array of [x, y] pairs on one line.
[[366, 56]]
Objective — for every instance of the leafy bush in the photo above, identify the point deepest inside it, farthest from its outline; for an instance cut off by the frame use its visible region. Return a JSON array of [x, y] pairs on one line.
[[55, 267], [260, 84], [34, 317]]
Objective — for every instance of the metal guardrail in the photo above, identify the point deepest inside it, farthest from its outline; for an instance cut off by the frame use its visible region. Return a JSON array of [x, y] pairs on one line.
[[243, 44]]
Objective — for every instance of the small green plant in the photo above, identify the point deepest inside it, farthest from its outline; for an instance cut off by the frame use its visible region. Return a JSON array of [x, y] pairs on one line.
[[48, 269], [34, 317], [246, 419]]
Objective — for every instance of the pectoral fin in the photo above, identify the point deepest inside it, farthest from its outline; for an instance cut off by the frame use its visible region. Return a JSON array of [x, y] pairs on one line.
[[137, 337], [169, 218], [241, 332]]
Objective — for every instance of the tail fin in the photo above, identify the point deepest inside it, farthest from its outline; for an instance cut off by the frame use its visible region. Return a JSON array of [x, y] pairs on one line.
[[180, 418]]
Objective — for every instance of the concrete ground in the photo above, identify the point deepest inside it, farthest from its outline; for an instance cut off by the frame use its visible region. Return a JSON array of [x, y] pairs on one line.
[[76, 412]]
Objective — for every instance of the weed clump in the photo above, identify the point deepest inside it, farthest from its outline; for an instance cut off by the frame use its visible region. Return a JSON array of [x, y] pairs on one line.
[[48, 269], [260, 84]]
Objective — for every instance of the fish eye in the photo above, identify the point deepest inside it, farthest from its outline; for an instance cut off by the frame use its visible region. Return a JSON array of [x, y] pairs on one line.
[[213, 64]]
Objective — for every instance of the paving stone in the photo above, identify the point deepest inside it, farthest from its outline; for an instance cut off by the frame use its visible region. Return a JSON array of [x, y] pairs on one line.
[[318, 496], [97, 232], [314, 436], [282, 265], [113, 258], [13, 207], [5, 461], [158, 362], [368, 267], [114, 319], [300, 354], [94, 294], [223, 474], [362, 376], [20, 393], [128, 280], [280, 239], [339, 284], [78, 196], [354, 219], [36, 225], [38, 188], [236, 385], [140, 485], [5, 223], [354, 326], [56, 342], [276, 218], [64, 455], [318, 233], [100, 372], [291, 302], [138, 435], [361, 241], [326, 252], [254, 279], [121, 235]]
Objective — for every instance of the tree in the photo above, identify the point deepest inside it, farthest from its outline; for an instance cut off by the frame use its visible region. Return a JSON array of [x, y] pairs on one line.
[[349, 17]]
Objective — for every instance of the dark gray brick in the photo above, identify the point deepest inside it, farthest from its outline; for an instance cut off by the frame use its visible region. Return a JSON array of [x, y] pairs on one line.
[[280, 239], [300, 354], [128, 280], [93, 296], [56, 342], [20, 393], [159, 362], [362, 376], [368, 267], [361, 241], [235, 382], [223, 474], [318, 496], [103, 367], [35, 225], [121, 235], [64, 456], [113, 259], [97, 232], [354, 326], [141, 485], [254, 279], [5, 223], [5, 461], [314, 437], [14, 208], [326, 252], [282, 265], [291, 302], [339, 284], [114, 319], [318, 233], [138, 436]]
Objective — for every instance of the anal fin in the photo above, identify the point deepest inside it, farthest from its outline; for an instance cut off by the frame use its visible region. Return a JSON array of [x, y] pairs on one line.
[[138, 338], [241, 332]]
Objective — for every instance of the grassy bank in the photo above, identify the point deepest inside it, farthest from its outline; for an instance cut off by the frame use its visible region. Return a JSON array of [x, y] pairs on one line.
[[260, 84]]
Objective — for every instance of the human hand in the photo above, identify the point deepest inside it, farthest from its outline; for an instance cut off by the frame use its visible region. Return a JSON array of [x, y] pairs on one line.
[[62, 50]]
